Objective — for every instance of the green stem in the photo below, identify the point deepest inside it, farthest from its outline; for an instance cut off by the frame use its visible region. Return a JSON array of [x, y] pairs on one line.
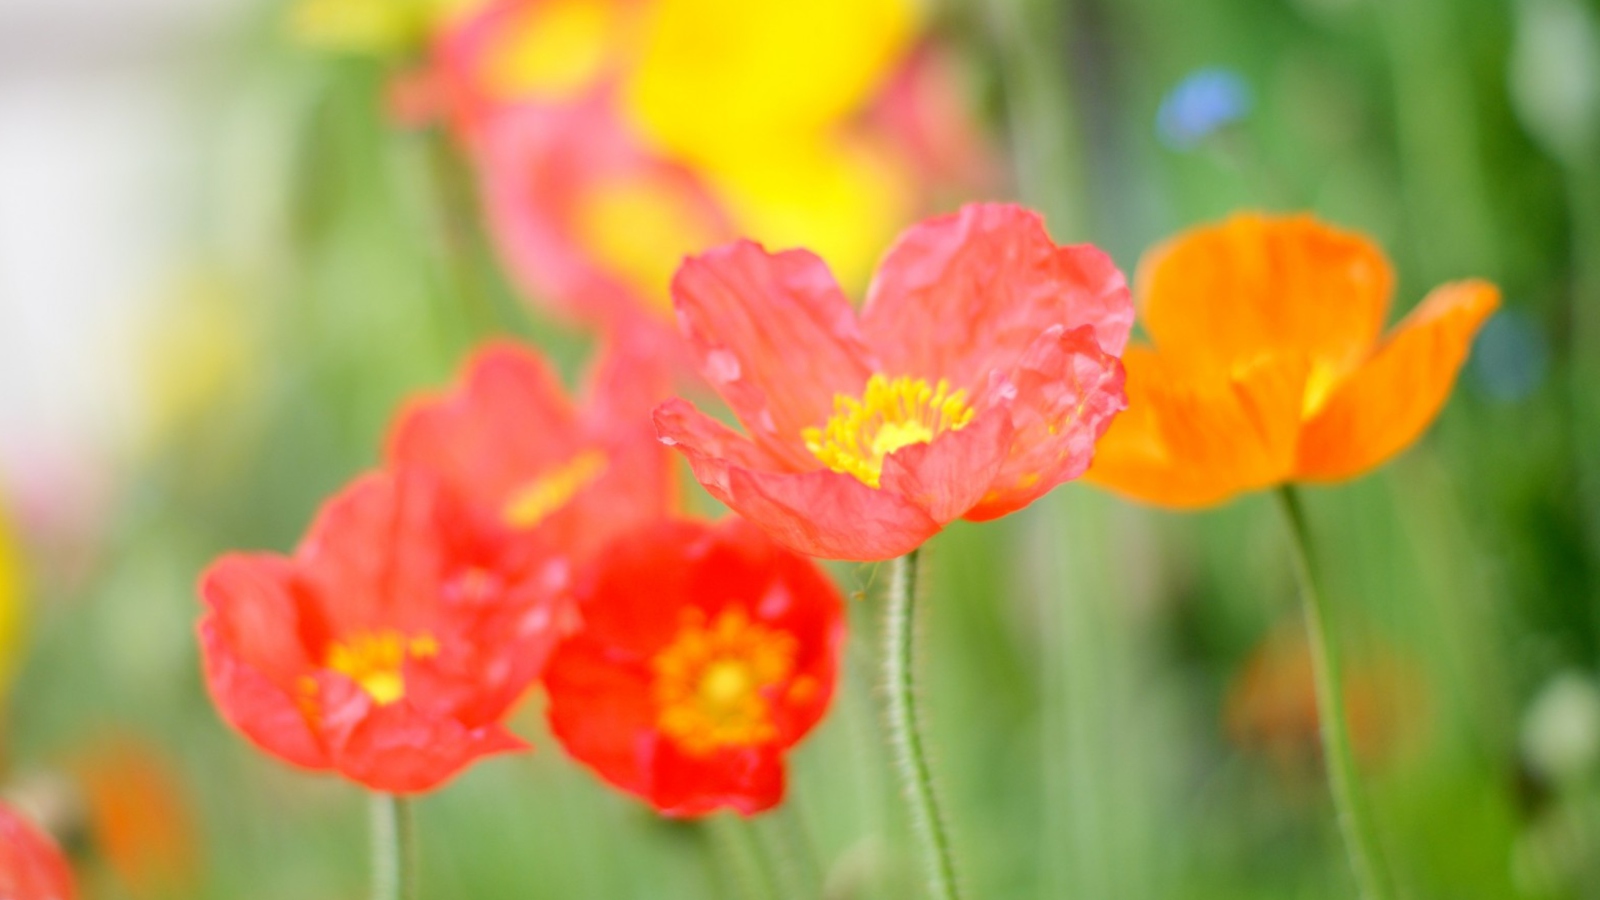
[[394, 849], [905, 733], [1355, 816], [740, 858]]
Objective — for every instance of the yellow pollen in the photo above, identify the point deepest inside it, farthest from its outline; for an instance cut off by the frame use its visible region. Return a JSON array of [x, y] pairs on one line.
[[376, 660], [536, 500], [890, 414], [712, 683]]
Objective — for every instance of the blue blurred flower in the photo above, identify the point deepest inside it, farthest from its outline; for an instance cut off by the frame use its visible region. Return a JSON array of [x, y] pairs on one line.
[[1511, 356], [1207, 100]]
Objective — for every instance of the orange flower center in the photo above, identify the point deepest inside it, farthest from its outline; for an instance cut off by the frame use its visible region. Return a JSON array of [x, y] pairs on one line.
[[536, 500], [889, 415], [712, 683], [375, 659]]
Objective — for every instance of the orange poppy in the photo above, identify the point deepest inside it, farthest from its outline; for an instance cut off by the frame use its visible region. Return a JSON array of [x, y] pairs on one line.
[[1267, 363]]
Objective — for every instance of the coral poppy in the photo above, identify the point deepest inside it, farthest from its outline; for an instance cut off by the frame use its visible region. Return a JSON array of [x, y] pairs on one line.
[[977, 377], [1265, 364], [31, 867], [521, 456], [390, 646], [705, 652]]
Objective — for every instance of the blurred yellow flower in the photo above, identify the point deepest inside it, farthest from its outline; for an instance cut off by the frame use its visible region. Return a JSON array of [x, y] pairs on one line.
[[556, 50], [718, 81], [10, 605], [368, 26], [199, 349], [844, 199]]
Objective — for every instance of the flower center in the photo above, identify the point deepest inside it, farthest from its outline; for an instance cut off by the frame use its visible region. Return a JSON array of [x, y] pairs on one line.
[[890, 414], [712, 683], [535, 501], [375, 659]]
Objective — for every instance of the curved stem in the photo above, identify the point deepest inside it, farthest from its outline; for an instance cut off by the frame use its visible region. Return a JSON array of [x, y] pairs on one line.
[[1355, 817], [911, 758], [394, 849]]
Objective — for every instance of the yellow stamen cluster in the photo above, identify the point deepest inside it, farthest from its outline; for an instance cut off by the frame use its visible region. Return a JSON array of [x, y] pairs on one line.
[[890, 414], [536, 500], [712, 683], [375, 660]]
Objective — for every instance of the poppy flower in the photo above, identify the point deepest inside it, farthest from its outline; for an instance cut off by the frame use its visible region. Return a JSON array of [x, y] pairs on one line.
[[31, 867], [389, 647], [1265, 363], [1271, 704], [141, 821], [977, 377], [705, 652], [524, 458]]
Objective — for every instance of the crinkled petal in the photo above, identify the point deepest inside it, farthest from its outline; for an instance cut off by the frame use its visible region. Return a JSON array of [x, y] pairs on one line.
[[711, 447], [601, 711], [1189, 442], [509, 420], [748, 780], [962, 295], [254, 604], [261, 710], [1067, 391], [950, 474], [1219, 296], [374, 556], [830, 515], [774, 336], [1391, 399], [399, 748]]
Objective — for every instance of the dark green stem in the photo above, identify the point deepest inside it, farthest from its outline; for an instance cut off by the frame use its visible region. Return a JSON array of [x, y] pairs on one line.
[[1354, 814], [394, 849], [905, 732]]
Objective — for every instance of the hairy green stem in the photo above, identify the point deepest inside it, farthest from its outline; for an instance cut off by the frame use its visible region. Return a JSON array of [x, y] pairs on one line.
[[905, 732], [1354, 814], [394, 849]]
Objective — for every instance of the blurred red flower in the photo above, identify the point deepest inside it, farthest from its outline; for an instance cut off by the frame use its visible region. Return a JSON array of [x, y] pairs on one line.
[[521, 457], [978, 376], [390, 646], [31, 867], [705, 652]]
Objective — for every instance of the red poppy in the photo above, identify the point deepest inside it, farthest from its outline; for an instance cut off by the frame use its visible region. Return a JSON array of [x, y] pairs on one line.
[[978, 376], [31, 868], [705, 652], [390, 646], [519, 454]]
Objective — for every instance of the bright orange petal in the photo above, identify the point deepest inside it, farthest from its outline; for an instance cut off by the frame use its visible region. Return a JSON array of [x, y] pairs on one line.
[[1226, 294], [1189, 441], [1390, 400]]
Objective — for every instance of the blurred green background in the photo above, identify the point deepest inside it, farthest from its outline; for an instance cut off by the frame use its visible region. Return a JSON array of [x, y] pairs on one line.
[[1116, 694]]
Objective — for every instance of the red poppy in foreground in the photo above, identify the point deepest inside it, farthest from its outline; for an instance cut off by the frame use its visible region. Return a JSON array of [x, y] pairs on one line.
[[978, 376], [509, 444], [705, 652], [31, 868], [389, 647]]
